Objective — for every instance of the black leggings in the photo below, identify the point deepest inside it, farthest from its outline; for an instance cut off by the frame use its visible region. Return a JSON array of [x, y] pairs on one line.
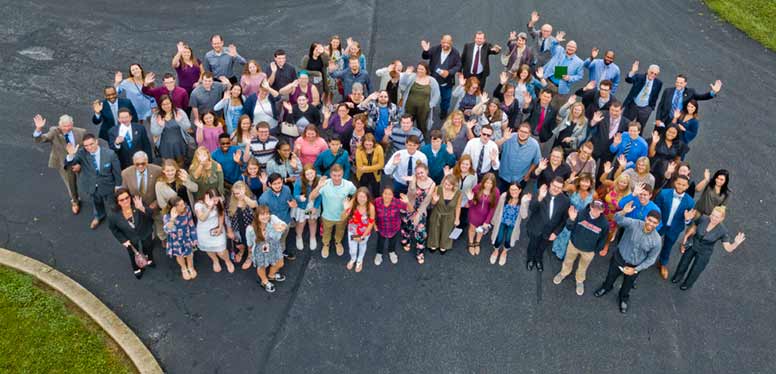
[[390, 242]]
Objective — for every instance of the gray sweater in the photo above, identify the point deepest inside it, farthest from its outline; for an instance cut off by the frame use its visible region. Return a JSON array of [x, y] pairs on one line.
[[637, 247]]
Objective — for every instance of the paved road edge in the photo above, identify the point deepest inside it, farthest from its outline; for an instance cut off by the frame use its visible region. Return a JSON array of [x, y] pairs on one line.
[[141, 357]]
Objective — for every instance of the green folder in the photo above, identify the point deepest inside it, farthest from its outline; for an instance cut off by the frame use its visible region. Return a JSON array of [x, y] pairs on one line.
[[560, 71]]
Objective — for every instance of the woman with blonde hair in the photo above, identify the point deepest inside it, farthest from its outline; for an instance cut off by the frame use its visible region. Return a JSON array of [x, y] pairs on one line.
[[369, 164], [611, 192], [173, 182], [572, 129], [639, 174], [467, 179], [454, 131], [251, 78], [445, 214], [206, 173], [705, 234], [239, 214], [211, 229]]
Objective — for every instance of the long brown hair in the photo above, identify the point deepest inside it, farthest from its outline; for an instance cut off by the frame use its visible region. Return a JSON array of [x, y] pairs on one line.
[[247, 72], [457, 168], [305, 168], [493, 196], [370, 206], [257, 229]]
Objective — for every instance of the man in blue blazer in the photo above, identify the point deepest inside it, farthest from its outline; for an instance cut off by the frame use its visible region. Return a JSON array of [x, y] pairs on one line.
[[128, 138], [676, 98], [107, 110], [678, 212], [99, 174], [444, 62], [642, 97]]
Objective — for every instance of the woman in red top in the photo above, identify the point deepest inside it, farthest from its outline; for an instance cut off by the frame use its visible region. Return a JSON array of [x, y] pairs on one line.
[[360, 213]]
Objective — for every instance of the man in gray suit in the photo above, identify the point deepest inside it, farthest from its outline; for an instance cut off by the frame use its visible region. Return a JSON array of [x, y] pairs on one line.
[[59, 137], [544, 39], [100, 174]]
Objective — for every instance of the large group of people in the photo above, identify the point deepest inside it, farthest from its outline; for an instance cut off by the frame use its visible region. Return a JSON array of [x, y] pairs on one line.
[[227, 155]]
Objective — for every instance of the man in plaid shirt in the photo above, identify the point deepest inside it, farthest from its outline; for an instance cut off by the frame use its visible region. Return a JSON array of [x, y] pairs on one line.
[[387, 209]]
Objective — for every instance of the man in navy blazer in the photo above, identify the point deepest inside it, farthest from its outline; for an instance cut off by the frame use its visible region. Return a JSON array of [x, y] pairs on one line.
[[99, 174], [676, 98], [677, 208], [106, 111], [480, 66], [128, 138], [548, 218], [642, 97], [444, 61]]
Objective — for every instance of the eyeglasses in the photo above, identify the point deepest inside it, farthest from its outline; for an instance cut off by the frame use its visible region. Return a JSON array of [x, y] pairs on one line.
[[226, 143], [485, 134], [141, 164]]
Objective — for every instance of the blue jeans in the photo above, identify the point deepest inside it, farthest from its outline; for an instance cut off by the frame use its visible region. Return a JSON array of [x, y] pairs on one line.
[[399, 188], [504, 236], [445, 93]]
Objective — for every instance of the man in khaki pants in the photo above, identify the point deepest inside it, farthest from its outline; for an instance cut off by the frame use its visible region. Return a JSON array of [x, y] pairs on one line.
[[589, 230], [59, 137], [334, 193]]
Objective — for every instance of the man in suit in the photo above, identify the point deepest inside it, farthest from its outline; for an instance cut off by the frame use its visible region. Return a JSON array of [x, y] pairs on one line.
[[140, 180], [642, 97], [547, 219], [100, 174], [544, 39], [107, 110], [444, 61], [475, 60], [675, 99], [540, 114], [596, 99], [603, 128], [678, 212], [128, 138], [59, 137]]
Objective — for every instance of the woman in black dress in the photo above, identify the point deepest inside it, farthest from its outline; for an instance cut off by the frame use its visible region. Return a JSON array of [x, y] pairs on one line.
[[132, 225]]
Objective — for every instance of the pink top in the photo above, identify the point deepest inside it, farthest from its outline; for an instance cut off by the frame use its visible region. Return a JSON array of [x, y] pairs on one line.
[[309, 152], [210, 137], [250, 85]]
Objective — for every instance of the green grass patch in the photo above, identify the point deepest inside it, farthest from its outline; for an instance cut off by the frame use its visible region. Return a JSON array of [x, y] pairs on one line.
[[41, 332], [757, 18]]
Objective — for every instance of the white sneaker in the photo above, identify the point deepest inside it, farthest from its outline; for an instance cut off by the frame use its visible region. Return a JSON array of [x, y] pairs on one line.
[[313, 243], [394, 258], [558, 278], [299, 243], [580, 288], [378, 259]]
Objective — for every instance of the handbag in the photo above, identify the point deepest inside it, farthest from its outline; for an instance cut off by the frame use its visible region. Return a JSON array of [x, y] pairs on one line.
[[289, 129], [140, 259]]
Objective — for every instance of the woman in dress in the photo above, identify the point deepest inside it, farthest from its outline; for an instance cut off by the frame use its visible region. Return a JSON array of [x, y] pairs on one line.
[[421, 94], [582, 194], [211, 229], [334, 51], [206, 173], [307, 212], [181, 236], [445, 214], [232, 104], [687, 121], [316, 62], [132, 225], [309, 145], [251, 78], [174, 182], [708, 231], [465, 175], [301, 86], [337, 124], [572, 129], [714, 191], [208, 130], [169, 128], [285, 163], [482, 205], [263, 239], [132, 88], [369, 164], [456, 133], [663, 150], [612, 192], [188, 67], [359, 214], [253, 178], [239, 214], [511, 210], [413, 218], [489, 113]]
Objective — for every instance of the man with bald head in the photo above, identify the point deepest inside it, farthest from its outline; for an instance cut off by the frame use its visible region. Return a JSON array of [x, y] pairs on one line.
[[564, 57], [444, 62], [544, 39], [600, 70], [642, 98]]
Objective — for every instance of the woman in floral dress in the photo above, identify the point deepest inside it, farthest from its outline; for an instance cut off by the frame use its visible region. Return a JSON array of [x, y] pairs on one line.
[[413, 220], [181, 236], [263, 240]]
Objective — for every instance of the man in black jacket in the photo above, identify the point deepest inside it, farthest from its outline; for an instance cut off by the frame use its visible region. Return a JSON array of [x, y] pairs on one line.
[[603, 127], [596, 99], [676, 98], [541, 115], [475, 59], [547, 218], [589, 230], [444, 61], [127, 138]]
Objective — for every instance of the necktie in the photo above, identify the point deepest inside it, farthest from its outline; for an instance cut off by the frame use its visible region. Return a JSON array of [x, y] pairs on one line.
[[129, 138], [627, 148], [645, 90], [142, 184], [541, 120], [676, 102], [481, 160], [95, 163], [476, 63], [544, 44], [409, 167], [552, 205], [67, 137]]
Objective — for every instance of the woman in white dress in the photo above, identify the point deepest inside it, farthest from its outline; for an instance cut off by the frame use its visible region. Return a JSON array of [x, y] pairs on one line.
[[211, 229]]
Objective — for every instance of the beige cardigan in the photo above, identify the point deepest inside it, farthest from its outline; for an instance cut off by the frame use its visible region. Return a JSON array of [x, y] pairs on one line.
[[164, 193], [496, 220]]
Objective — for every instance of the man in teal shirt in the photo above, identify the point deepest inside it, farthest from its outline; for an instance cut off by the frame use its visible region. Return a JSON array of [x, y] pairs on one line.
[[334, 193]]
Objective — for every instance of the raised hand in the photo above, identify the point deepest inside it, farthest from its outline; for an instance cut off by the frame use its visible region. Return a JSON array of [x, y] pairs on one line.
[[638, 189], [434, 198], [138, 202], [689, 214], [119, 139], [71, 150], [287, 106], [279, 227], [396, 158], [265, 84], [512, 35], [572, 213], [117, 78], [496, 48], [449, 147], [292, 204], [706, 174], [180, 46], [507, 133], [149, 78], [225, 81], [274, 67], [534, 17], [740, 237], [597, 117], [503, 78], [542, 192], [543, 164], [594, 53], [671, 168], [183, 175], [425, 45], [526, 99], [539, 73], [560, 36], [493, 154], [655, 137], [573, 98], [677, 114], [608, 167], [617, 138], [471, 123], [461, 79], [237, 156], [622, 160], [39, 122], [173, 213], [97, 106], [404, 198], [717, 86], [589, 86], [635, 66], [628, 207], [209, 201], [526, 198]]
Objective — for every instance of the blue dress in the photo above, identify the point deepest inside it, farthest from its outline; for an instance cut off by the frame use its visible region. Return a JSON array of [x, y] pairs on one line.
[[140, 101], [182, 238], [562, 241]]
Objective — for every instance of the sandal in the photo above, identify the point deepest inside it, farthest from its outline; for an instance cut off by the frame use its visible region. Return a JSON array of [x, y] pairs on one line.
[[238, 256], [476, 248], [216, 267], [359, 266], [471, 248], [420, 259], [247, 264], [185, 274], [193, 273], [407, 248]]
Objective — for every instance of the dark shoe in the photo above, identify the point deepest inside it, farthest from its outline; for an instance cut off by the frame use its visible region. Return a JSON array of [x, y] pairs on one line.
[[684, 287], [539, 266], [278, 277], [151, 264], [529, 265], [623, 307], [675, 279], [600, 292], [139, 274], [290, 256]]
